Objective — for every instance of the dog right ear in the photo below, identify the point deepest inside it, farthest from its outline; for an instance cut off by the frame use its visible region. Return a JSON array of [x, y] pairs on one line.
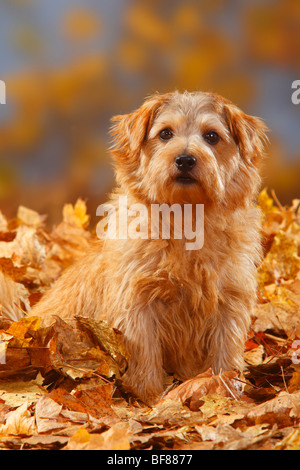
[[130, 130], [249, 132]]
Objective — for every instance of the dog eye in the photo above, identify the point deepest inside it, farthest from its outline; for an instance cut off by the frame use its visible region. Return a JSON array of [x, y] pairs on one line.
[[166, 134], [211, 137]]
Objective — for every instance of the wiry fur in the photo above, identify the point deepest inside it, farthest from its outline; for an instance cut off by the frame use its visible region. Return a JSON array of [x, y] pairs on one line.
[[180, 311]]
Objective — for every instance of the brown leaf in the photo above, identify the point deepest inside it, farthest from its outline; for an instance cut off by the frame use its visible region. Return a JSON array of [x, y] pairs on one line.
[[169, 412], [97, 400], [19, 421], [47, 415], [94, 401], [44, 441], [255, 355], [68, 349], [191, 391], [109, 339], [221, 433], [281, 410], [294, 383], [278, 316]]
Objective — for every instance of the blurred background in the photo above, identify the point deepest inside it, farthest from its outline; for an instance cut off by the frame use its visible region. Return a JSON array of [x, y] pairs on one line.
[[70, 65]]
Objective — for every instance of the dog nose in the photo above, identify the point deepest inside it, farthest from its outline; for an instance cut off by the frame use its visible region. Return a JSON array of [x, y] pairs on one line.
[[185, 162]]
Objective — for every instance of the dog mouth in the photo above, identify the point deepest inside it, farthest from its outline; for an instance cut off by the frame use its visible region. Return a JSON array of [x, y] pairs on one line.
[[185, 180]]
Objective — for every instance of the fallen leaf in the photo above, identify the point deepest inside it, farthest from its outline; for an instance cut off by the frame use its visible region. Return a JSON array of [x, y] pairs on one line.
[[44, 441], [191, 391], [97, 400], [30, 217], [109, 339], [214, 408], [290, 442], [282, 261], [168, 412], [76, 215], [116, 438], [278, 317], [255, 356], [14, 393], [218, 434], [281, 410], [47, 413], [19, 422]]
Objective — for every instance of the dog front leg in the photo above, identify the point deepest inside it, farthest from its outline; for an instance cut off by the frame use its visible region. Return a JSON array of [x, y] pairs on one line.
[[228, 339], [145, 366]]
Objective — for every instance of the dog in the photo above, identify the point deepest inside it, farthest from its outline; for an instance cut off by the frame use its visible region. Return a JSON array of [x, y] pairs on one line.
[[180, 311]]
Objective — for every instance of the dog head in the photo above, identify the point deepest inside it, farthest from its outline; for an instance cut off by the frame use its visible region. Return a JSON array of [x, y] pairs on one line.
[[189, 148]]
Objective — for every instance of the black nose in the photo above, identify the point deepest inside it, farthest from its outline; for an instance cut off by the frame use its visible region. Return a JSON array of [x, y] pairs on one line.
[[185, 162]]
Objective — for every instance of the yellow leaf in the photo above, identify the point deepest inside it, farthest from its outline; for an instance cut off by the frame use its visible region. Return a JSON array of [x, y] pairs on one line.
[[81, 437], [32, 323], [116, 438], [282, 261], [18, 330], [30, 217], [266, 203], [76, 215], [290, 442]]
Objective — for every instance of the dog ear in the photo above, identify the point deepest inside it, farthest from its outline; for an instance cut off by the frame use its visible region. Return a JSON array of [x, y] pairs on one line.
[[249, 133], [130, 130]]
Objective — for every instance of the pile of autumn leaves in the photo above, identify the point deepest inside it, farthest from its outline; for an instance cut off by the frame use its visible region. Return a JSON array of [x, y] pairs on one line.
[[61, 385]]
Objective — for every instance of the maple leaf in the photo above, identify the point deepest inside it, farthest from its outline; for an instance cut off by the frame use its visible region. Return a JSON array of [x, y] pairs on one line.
[[76, 215]]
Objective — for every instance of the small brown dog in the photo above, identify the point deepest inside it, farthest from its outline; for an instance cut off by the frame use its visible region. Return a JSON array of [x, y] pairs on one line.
[[181, 311]]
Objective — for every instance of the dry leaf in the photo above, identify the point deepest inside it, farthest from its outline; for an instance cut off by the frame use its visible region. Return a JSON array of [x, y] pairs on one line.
[[290, 442], [255, 356], [116, 438], [19, 422], [215, 406], [15, 392], [109, 339], [221, 433], [47, 413], [281, 410], [76, 215], [206, 383], [30, 217]]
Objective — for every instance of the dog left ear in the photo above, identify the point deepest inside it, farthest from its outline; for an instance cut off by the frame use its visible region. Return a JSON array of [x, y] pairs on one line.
[[249, 132], [130, 130]]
